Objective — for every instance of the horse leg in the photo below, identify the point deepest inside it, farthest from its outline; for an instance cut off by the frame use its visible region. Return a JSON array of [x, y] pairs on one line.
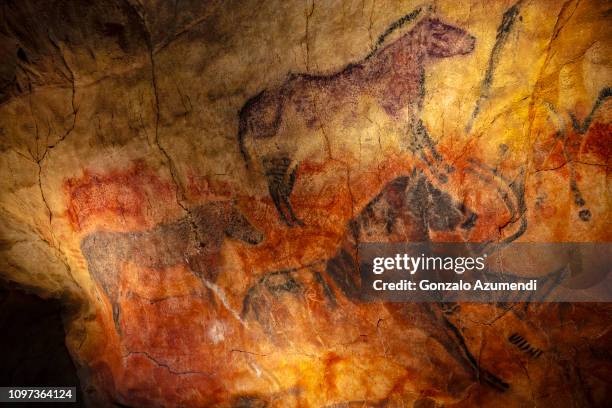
[[276, 169], [459, 349], [274, 193], [280, 186], [451, 338], [288, 191]]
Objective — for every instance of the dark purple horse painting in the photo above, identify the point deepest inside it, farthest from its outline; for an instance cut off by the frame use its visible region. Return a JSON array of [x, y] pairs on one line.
[[393, 75]]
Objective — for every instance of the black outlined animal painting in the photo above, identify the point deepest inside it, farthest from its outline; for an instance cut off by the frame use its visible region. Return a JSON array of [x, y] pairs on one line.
[[408, 209], [195, 241], [563, 135], [392, 75], [501, 38]]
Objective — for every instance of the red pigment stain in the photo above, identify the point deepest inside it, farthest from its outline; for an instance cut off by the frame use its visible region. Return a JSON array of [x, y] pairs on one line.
[[598, 143], [124, 194], [331, 360], [548, 152], [325, 212], [203, 187]]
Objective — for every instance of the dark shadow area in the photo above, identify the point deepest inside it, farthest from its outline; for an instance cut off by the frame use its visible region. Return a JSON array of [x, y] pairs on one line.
[[32, 345]]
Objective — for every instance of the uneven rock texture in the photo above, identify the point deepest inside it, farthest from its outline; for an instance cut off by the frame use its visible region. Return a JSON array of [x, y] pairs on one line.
[[34, 336], [192, 179]]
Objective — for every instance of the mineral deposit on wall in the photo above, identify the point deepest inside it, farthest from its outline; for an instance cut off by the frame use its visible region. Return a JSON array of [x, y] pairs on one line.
[[192, 180]]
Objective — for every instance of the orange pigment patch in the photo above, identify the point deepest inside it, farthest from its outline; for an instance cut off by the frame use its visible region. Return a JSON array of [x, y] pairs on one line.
[[325, 211], [202, 188], [597, 144], [122, 198], [166, 319], [548, 152], [329, 362]]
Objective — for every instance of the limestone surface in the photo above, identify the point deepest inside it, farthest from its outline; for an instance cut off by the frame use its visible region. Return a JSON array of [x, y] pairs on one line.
[[192, 180]]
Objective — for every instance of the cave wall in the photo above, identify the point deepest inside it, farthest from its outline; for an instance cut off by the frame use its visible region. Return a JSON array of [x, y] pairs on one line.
[[193, 177], [33, 343]]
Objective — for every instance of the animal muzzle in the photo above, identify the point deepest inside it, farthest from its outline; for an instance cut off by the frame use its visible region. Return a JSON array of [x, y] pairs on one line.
[[466, 45]]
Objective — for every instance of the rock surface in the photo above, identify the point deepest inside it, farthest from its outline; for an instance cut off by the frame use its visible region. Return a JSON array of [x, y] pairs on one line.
[[192, 179]]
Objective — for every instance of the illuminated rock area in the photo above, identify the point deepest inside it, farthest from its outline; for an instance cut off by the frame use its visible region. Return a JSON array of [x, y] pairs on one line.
[[192, 178]]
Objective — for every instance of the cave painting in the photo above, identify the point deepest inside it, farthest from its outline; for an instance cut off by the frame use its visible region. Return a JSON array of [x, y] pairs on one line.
[[393, 76], [522, 344], [503, 31], [194, 240], [220, 268], [577, 130], [408, 209]]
